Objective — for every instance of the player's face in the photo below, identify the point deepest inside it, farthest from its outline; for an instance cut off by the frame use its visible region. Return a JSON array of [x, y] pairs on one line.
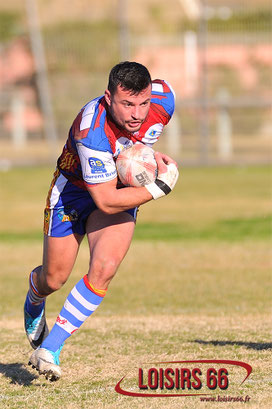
[[129, 110]]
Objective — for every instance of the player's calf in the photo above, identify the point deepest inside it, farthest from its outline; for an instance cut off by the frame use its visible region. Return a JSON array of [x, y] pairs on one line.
[[82, 301]]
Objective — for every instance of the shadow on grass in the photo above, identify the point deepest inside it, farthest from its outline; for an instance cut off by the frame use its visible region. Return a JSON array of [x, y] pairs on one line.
[[258, 346], [17, 373]]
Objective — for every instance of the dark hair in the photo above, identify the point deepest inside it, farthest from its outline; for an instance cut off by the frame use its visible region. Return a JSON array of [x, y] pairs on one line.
[[129, 75]]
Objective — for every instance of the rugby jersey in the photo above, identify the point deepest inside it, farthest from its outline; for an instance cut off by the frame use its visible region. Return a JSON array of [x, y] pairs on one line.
[[94, 140]]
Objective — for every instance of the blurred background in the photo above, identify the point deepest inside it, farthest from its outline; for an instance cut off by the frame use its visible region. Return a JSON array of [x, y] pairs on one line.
[[55, 55]]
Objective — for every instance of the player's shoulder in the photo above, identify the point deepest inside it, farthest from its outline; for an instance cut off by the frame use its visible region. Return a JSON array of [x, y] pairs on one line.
[[92, 112], [161, 87], [91, 125], [163, 95]]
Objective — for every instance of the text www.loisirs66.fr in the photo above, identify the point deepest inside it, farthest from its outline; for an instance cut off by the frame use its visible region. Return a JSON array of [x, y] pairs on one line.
[[226, 399]]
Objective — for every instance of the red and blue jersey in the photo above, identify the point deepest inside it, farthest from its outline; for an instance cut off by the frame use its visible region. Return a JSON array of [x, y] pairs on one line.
[[95, 141]]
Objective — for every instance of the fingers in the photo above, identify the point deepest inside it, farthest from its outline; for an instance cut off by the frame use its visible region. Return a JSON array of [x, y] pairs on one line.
[[162, 159], [162, 168]]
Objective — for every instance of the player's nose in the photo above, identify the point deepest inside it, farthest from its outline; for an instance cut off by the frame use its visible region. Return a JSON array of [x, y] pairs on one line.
[[135, 113]]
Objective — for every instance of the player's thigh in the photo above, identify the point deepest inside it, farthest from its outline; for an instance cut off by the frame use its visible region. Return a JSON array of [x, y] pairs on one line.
[[109, 238], [59, 255]]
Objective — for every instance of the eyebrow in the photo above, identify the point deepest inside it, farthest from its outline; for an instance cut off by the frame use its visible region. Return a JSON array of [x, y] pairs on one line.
[[130, 102]]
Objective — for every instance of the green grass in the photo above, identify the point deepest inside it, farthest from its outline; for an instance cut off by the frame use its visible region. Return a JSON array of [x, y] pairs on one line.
[[230, 230], [196, 284], [205, 200], [227, 230]]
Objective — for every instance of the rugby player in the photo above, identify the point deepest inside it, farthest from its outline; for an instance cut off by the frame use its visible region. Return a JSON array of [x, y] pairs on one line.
[[85, 197]]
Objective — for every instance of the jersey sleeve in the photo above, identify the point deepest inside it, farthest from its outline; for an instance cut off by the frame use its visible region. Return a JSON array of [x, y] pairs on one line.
[[89, 126], [97, 166], [163, 99], [161, 109]]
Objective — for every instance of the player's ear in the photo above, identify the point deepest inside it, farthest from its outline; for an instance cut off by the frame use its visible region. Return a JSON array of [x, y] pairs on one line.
[[108, 97]]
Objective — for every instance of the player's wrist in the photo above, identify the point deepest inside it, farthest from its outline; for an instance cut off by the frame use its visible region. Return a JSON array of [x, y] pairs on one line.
[[154, 190], [164, 183]]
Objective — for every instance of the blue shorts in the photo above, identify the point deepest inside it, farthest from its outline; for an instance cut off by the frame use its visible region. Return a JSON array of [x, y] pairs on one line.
[[68, 208]]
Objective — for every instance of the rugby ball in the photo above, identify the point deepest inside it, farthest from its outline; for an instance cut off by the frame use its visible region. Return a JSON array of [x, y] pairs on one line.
[[136, 166]]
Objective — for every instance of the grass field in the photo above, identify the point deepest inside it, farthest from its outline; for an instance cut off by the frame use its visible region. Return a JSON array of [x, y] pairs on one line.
[[196, 284]]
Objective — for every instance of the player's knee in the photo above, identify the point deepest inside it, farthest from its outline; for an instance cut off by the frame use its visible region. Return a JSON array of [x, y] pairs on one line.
[[104, 270], [109, 267]]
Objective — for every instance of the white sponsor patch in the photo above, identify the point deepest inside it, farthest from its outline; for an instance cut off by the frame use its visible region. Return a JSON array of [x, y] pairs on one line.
[[97, 166]]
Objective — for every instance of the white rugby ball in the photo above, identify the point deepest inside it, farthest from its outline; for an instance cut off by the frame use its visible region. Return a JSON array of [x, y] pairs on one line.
[[136, 165]]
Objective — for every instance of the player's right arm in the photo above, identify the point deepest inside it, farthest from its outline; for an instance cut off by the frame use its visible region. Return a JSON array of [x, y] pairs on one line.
[[111, 200], [100, 176]]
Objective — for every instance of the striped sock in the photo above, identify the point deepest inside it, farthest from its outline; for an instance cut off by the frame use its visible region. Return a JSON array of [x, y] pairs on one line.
[[34, 302], [79, 305]]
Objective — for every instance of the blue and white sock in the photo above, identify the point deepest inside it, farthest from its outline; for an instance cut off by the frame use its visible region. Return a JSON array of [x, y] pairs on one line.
[[34, 303], [79, 305]]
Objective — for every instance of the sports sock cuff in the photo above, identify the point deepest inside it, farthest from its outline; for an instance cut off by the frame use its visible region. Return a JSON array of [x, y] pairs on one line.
[[100, 293], [33, 287]]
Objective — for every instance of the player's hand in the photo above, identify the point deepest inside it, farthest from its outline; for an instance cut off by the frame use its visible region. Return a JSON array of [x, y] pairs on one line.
[[162, 160], [167, 176]]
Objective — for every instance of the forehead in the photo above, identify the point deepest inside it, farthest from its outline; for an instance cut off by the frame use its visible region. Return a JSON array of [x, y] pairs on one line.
[[128, 95]]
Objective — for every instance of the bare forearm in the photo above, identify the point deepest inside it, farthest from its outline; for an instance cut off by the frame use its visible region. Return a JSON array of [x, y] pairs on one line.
[[111, 200], [118, 200]]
